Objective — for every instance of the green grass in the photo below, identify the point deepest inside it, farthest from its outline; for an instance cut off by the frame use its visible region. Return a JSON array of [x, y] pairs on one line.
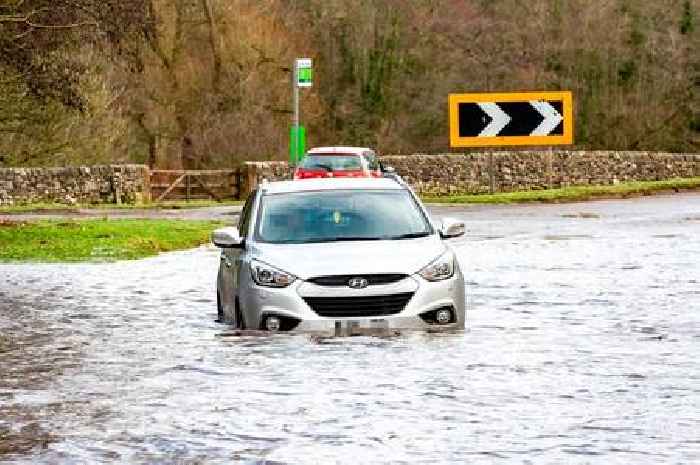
[[170, 205], [571, 194], [99, 240]]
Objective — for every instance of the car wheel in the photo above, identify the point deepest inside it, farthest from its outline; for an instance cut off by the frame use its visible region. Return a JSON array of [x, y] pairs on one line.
[[240, 322], [219, 309]]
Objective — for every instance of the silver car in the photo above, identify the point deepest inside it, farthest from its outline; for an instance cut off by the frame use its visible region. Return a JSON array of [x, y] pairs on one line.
[[329, 253]]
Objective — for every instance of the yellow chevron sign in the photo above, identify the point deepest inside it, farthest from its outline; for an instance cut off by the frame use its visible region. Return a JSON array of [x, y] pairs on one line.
[[513, 118]]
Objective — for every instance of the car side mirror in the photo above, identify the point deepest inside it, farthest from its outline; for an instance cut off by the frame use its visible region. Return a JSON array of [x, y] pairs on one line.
[[452, 228], [227, 238], [388, 169]]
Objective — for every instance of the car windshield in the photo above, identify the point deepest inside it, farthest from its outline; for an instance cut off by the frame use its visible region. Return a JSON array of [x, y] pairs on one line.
[[348, 215], [332, 162]]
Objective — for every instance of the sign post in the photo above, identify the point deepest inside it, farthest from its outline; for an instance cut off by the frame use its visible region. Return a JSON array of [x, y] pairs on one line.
[[508, 119], [297, 144], [302, 77]]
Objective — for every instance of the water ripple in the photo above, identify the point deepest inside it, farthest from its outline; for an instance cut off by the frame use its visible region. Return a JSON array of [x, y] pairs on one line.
[[578, 351]]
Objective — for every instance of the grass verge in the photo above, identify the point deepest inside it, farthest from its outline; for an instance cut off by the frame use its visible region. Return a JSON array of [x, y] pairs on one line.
[[59, 207], [572, 194], [99, 240]]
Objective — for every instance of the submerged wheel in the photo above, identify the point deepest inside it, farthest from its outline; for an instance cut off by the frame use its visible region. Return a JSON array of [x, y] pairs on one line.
[[219, 309], [240, 322]]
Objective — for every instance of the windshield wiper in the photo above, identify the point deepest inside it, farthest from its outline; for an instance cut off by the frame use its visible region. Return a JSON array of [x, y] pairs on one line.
[[363, 238], [344, 239], [409, 236]]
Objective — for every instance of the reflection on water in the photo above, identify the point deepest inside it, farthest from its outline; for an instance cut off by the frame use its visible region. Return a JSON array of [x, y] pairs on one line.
[[582, 349]]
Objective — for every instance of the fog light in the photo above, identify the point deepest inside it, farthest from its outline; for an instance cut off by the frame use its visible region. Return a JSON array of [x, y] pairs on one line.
[[272, 323], [443, 316]]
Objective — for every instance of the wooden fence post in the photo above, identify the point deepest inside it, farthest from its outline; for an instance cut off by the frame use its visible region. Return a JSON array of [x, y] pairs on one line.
[[492, 180]]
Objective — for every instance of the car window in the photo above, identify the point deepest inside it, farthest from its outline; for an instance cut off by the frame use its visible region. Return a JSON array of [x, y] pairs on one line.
[[328, 216], [332, 162], [244, 221]]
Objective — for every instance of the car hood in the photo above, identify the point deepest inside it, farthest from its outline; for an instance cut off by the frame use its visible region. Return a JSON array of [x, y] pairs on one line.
[[357, 257]]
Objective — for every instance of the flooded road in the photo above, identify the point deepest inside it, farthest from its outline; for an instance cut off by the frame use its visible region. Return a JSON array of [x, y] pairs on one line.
[[583, 347]]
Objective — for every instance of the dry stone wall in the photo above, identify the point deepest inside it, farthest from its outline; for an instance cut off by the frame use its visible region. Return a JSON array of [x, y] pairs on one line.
[[255, 172], [85, 185], [443, 174], [476, 173], [521, 171]]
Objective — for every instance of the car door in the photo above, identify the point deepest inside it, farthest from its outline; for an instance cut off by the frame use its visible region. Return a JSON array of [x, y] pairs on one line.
[[231, 260]]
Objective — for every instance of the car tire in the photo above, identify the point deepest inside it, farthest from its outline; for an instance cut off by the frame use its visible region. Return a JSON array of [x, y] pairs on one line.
[[240, 322], [219, 309]]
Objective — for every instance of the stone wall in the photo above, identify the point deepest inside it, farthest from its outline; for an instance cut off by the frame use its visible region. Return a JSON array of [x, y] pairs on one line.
[[253, 173], [475, 173], [84, 185], [522, 171], [428, 174]]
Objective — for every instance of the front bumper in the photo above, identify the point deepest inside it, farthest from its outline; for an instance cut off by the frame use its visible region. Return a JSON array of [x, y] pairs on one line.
[[259, 302]]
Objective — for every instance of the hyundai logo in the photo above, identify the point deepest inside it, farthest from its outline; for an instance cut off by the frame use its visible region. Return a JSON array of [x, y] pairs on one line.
[[358, 283]]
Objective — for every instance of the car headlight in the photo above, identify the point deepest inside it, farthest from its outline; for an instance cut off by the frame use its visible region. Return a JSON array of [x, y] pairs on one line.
[[440, 269], [269, 276]]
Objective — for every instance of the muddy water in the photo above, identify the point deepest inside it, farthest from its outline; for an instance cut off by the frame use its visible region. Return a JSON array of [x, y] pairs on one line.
[[583, 346]]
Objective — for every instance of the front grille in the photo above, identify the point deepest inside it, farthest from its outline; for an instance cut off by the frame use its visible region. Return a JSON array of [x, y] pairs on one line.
[[365, 306], [372, 279]]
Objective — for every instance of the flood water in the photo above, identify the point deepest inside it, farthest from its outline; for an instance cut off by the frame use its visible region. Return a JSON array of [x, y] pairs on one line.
[[583, 347]]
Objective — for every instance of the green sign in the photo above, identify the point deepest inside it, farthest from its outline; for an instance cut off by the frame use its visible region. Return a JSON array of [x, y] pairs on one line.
[[305, 72], [297, 144]]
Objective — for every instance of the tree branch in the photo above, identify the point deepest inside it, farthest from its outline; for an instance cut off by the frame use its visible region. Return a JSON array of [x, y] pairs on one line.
[[209, 13], [28, 21], [150, 33], [61, 26]]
